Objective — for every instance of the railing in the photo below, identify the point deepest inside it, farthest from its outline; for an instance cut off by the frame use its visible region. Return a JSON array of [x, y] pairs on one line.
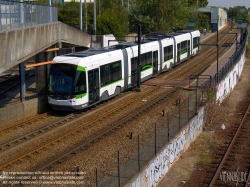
[[15, 15]]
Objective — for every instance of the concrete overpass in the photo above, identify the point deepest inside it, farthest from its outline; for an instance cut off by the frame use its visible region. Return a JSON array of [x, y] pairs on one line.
[[18, 45]]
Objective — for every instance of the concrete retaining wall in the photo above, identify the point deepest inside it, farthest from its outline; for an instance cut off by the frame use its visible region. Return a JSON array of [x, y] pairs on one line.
[[151, 174], [229, 82], [25, 109]]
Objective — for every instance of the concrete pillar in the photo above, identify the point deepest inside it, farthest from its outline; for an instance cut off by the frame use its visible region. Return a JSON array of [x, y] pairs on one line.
[[22, 81], [41, 74]]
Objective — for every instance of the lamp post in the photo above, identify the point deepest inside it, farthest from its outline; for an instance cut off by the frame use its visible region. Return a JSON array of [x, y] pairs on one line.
[[94, 33], [81, 15], [86, 22], [139, 60]]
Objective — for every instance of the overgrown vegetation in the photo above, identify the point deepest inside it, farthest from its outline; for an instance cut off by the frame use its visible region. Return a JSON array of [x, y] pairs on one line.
[[113, 17]]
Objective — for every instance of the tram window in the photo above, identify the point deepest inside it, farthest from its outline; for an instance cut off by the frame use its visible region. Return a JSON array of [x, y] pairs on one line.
[[81, 83], [105, 73], [111, 73], [146, 59], [115, 71], [183, 47], [168, 53], [196, 42]]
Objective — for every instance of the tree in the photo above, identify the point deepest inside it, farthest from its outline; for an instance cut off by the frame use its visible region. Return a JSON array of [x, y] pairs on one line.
[[70, 14], [113, 19], [159, 15]]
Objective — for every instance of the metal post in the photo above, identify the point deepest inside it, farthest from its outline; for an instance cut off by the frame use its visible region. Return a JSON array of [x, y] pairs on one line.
[[197, 8], [30, 12], [168, 126], [0, 17], [94, 17], [81, 15], [99, 3], [50, 12], [179, 110], [128, 5], [217, 65], [155, 138], [119, 177], [202, 95], [232, 20], [139, 166], [139, 60], [188, 108], [86, 22], [196, 100], [10, 14], [96, 177], [22, 81]]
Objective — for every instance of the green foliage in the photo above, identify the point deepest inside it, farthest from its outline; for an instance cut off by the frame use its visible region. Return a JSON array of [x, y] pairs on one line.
[[70, 14], [201, 3], [113, 19], [239, 12], [152, 15], [203, 21], [159, 15], [41, 2]]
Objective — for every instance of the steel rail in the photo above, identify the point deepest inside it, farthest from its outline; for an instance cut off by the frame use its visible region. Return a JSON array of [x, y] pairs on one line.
[[229, 148]]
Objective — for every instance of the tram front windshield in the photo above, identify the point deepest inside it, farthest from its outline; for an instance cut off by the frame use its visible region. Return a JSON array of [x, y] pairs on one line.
[[61, 78]]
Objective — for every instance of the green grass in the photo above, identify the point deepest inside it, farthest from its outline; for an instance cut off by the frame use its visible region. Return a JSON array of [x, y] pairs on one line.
[[205, 158]]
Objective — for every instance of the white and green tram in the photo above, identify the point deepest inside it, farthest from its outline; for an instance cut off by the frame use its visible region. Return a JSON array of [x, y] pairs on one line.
[[79, 80]]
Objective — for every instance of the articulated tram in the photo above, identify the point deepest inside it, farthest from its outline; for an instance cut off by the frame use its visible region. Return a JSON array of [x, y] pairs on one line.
[[79, 80]]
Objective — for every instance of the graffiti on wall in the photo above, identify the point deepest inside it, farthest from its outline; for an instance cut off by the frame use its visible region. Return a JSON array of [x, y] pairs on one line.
[[160, 166], [196, 125], [162, 163], [227, 85]]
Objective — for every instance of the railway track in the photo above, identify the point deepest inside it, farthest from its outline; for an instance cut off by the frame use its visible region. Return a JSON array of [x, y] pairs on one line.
[[29, 135], [80, 127], [22, 124], [10, 81], [232, 160]]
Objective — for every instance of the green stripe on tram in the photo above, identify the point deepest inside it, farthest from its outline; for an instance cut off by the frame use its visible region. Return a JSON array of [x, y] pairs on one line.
[[80, 68], [147, 67], [81, 95], [111, 83]]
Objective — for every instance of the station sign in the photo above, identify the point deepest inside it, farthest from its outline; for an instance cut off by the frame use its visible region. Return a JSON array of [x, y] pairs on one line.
[[241, 21]]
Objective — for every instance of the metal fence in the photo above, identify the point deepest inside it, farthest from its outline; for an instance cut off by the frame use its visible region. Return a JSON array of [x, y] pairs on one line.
[[15, 15], [161, 132]]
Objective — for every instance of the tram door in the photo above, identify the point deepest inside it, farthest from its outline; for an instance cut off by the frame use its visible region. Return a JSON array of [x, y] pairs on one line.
[[178, 53], [93, 80], [155, 62], [134, 71]]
